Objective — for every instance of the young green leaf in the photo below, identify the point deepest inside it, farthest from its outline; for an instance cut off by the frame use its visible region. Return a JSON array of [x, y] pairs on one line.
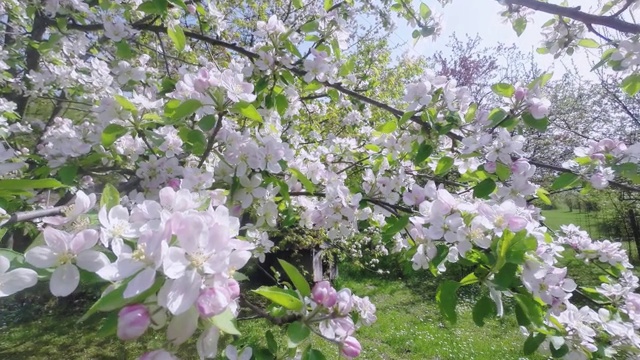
[[564, 180], [447, 299], [297, 332], [503, 89], [444, 165], [280, 297], [112, 133], [110, 197], [484, 188], [176, 34], [296, 278]]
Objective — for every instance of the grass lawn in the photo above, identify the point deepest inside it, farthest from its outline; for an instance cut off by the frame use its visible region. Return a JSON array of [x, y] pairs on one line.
[[557, 217], [409, 326]]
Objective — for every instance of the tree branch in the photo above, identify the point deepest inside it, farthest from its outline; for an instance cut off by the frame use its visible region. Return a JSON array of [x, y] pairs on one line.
[[34, 214], [576, 14]]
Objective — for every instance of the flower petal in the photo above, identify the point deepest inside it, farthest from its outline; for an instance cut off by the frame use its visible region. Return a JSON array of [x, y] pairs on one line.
[[4, 264], [143, 281], [56, 239], [64, 280], [119, 212], [184, 292], [207, 344], [84, 240], [92, 260], [182, 327], [17, 280], [41, 257]]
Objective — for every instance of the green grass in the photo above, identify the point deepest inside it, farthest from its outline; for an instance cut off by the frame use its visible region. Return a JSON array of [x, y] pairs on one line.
[[556, 218], [409, 326]]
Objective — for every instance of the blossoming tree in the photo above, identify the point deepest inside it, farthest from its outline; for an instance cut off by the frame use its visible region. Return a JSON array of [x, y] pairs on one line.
[[178, 134]]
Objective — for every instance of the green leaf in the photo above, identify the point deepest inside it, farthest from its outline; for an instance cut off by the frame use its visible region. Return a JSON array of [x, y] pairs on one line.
[[503, 89], [505, 277], [503, 171], [533, 342], [538, 124], [530, 308], [186, 108], [484, 308], [226, 322], [180, 3], [542, 195], [110, 197], [347, 67], [558, 353], [12, 256], [519, 25], [207, 122], [328, 4], [126, 104], [281, 104], [388, 127], [297, 332], [631, 84], [112, 133], [248, 110], [447, 299], [123, 50], [154, 7], [312, 354], [68, 174], [177, 36], [272, 344], [497, 115], [308, 185], [444, 165], [296, 277], [406, 116], [372, 147], [425, 12], [115, 300], [311, 26], [394, 225], [564, 180], [25, 184], [540, 81], [469, 279], [197, 140], [298, 4], [424, 151], [280, 297], [484, 188], [109, 326], [588, 43]]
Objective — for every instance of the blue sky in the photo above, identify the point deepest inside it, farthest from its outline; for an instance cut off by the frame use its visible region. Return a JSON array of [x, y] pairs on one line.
[[482, 17]]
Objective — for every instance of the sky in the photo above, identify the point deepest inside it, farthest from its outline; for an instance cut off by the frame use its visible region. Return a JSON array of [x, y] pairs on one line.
[[482, 17]]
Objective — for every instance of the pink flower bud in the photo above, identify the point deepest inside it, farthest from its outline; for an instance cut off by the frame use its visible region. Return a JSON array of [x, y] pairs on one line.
[[351, 347], [490, 166], [191, 9], [174, 184], [323, 294], [133, 321], [234, 288], [213, 301], [520, 94]]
